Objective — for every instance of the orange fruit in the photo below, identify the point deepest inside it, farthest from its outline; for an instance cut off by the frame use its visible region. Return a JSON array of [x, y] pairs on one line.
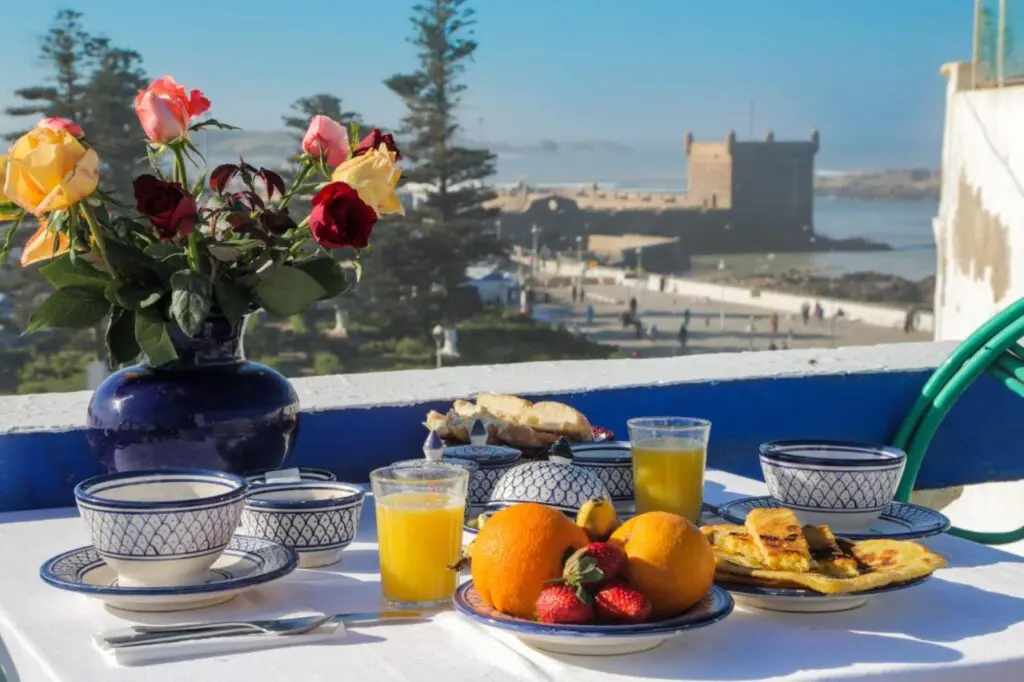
[[668, 560], [517, 551]]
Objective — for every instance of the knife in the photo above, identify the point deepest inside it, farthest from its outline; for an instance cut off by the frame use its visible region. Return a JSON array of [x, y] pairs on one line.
[[161, 634]]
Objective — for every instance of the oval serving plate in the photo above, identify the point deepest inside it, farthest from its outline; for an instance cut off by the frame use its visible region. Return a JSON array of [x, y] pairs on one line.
[[807, 601], [899, 521], [595, 640], [246, 563]]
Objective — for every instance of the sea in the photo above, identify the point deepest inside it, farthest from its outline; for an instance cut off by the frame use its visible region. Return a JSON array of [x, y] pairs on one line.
[[906, 226]]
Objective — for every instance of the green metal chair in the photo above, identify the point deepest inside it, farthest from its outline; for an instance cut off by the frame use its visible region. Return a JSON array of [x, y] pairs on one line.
[[993, 348]]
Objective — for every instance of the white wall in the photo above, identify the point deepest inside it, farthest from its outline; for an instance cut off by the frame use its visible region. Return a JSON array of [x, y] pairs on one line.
[[979, 232]]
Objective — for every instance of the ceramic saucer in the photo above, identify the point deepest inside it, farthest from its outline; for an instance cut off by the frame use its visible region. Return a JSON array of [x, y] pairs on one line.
[[246, 563], [807, 601], [899, 521], [595, 640]]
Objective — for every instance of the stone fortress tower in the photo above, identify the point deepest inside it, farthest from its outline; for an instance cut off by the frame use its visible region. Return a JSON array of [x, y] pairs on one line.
[[768, 179]]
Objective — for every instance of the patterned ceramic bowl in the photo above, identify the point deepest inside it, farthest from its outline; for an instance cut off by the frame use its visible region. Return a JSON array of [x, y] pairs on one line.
[[305, 474], [842, 485], [161, 528], [612, 462], [493, 460], [318, 519], [562, 486]]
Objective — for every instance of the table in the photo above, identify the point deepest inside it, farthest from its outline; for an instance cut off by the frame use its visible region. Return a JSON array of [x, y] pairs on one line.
[[966, 623]]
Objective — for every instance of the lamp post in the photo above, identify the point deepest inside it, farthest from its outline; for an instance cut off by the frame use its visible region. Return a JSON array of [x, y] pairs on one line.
[[639, 269], [438, 333], [721, 300], [535, 231]]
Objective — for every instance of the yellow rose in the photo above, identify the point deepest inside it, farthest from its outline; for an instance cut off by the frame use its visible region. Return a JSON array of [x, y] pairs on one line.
[[8, 210], [40, 245], [50, 170], [374, 176]]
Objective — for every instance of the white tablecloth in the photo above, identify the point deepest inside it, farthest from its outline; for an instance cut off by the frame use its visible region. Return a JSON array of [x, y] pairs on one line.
[[967, 623]]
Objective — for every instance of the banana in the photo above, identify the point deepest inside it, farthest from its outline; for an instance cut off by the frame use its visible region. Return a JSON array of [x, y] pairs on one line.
[[598, 518]]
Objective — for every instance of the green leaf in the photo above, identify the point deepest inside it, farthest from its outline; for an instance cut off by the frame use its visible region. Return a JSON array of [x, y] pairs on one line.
[[62, 272], [122, 347], [151, 335], [161, 250], [233, 300], [70, 308], [190, 300], [327, 272], [213, 123], [197, 188], [5, 248], [130, 262], [288, 291], [135, 297]]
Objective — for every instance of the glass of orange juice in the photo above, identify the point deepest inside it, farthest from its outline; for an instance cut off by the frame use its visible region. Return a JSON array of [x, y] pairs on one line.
[[669, 455], [420, 511]]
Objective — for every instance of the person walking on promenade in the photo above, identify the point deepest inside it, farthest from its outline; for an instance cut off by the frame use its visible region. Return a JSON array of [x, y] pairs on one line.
[[805, 312], [682, 336], [632, 307], [819, 311], [575, 293], [775, 323], [909, 320], [583, 294], [686, 318], [590, 313]]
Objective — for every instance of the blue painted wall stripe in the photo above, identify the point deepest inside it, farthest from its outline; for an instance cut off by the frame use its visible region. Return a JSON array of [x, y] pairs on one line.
[[978, 442]]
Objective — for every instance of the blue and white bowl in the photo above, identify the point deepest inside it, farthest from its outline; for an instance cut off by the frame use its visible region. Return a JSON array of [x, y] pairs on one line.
[[493, 460], [845, 486], [305, 474], [565, 487], [612, 462], [161, 528], [318, 519]]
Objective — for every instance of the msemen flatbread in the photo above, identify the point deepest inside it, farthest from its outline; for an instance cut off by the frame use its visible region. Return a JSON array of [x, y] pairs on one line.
[[778, 536]]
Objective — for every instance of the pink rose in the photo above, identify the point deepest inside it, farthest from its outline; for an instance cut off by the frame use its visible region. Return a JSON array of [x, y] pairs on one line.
[[165, 109], [55, 123], [328, 138]]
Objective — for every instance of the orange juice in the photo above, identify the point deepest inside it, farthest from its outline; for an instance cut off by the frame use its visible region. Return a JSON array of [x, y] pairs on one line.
[[420, 536], [668, 475]]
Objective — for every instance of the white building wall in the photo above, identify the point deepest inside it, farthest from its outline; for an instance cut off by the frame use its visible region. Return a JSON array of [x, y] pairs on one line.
[[979, 232]]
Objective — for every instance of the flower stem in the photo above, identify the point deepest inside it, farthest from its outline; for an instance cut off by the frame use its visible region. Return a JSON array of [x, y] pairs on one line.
[[97, 234], [307, 168], [180, 174]]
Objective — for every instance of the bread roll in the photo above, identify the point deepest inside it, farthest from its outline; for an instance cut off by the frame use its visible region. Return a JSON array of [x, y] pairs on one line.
[[559, 418], [508, 407]]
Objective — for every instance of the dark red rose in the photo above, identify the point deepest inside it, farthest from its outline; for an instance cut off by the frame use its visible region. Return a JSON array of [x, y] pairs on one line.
[[373, 140], [168, 205], [340, 218]]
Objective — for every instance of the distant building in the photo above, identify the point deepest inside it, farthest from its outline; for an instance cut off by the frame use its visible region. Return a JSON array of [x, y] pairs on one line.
[[493, 285]]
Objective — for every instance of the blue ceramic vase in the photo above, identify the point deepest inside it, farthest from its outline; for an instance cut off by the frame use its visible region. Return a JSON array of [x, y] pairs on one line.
[[209, 409]]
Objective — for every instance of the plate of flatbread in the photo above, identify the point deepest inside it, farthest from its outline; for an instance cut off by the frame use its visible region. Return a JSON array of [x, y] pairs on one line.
[[772, 562]]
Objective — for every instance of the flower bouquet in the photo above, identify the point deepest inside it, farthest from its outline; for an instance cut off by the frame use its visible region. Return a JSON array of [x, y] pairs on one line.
[[222, 245]]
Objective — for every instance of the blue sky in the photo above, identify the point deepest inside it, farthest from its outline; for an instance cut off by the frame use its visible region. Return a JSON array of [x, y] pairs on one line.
[[865, 72]]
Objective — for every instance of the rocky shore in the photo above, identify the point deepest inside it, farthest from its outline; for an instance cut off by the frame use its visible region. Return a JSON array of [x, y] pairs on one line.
[[857, 286], [895, 185]]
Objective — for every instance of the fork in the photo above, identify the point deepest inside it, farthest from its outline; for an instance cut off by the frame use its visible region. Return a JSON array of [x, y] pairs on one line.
[[152, 634]]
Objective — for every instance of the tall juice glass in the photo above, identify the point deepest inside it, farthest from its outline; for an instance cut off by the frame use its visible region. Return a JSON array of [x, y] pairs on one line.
[[669, 456], [420, 510]]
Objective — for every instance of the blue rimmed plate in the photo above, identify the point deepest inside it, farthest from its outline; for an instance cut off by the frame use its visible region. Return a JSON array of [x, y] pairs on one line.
[[246, 563], [899, 521], [595, 640], [808, 601]]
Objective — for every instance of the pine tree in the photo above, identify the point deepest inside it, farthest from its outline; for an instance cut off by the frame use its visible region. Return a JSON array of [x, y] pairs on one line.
[[306, 108], [67, 52], [111, 123], [455, 229]]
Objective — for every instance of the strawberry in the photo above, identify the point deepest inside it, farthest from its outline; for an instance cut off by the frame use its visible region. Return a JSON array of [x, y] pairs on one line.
[[620, 603], [599, 563], [564, 604]]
